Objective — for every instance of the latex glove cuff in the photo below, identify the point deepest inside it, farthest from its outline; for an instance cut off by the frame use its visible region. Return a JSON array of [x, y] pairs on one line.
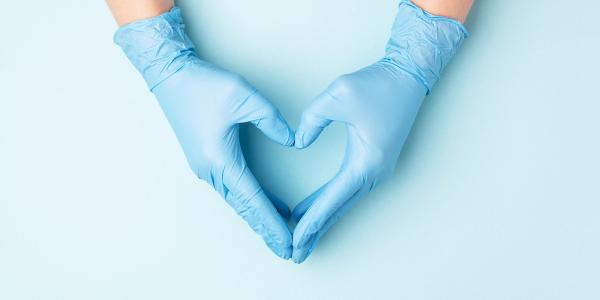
[[422, 44], [158, 47]]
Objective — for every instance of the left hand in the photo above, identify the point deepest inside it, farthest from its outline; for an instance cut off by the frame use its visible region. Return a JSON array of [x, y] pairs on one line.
[[378, 105]]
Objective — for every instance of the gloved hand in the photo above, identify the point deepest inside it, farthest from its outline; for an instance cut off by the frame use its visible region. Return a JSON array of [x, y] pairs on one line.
[[378, 105], [205, 105]]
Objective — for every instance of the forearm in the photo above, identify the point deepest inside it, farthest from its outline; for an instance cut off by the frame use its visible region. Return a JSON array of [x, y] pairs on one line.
[[127, 11], [455, 9]]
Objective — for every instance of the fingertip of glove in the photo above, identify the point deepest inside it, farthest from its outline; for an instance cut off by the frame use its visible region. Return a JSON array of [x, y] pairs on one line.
[[299, 140], [277, 130], [282, 246], [291, 141], [299, 256], [288, 137], [287, 134], [284, 253]]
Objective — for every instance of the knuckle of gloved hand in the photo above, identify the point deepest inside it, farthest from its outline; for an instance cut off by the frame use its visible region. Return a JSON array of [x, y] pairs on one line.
[[344, 85], [199, 169], [236, 81], [234, 84], [203, 167], [211, 157], [270, 112]]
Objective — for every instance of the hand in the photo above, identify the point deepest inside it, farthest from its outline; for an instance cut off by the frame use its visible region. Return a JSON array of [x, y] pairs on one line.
[[378, 105], [205, 105]]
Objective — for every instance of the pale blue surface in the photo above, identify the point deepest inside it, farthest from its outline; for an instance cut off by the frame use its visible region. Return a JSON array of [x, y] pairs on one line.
[[495, 197]]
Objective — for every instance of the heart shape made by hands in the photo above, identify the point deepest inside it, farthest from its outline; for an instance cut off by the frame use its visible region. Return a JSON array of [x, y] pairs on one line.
[[376, 105]]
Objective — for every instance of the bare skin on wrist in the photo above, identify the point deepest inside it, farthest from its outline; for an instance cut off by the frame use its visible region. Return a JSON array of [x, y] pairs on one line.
[[454, 9], [128, 11]]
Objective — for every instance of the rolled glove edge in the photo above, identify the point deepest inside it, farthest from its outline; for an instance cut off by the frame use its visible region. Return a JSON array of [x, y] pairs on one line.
[[158, 47]]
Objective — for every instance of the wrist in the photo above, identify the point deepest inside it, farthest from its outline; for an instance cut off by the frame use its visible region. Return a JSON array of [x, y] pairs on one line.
[[129, 11], [422, 44], [454, 9], [158, 47]]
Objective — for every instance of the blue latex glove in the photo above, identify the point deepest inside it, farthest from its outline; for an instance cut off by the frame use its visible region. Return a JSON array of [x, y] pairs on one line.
[[378, 105], [205, 105]]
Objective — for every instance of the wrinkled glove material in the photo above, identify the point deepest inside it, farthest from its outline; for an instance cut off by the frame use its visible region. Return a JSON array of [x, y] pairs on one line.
[[157, 47], [422, 44]]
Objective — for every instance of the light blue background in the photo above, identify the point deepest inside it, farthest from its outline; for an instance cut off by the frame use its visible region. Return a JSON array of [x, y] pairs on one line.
[[496, 195]]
